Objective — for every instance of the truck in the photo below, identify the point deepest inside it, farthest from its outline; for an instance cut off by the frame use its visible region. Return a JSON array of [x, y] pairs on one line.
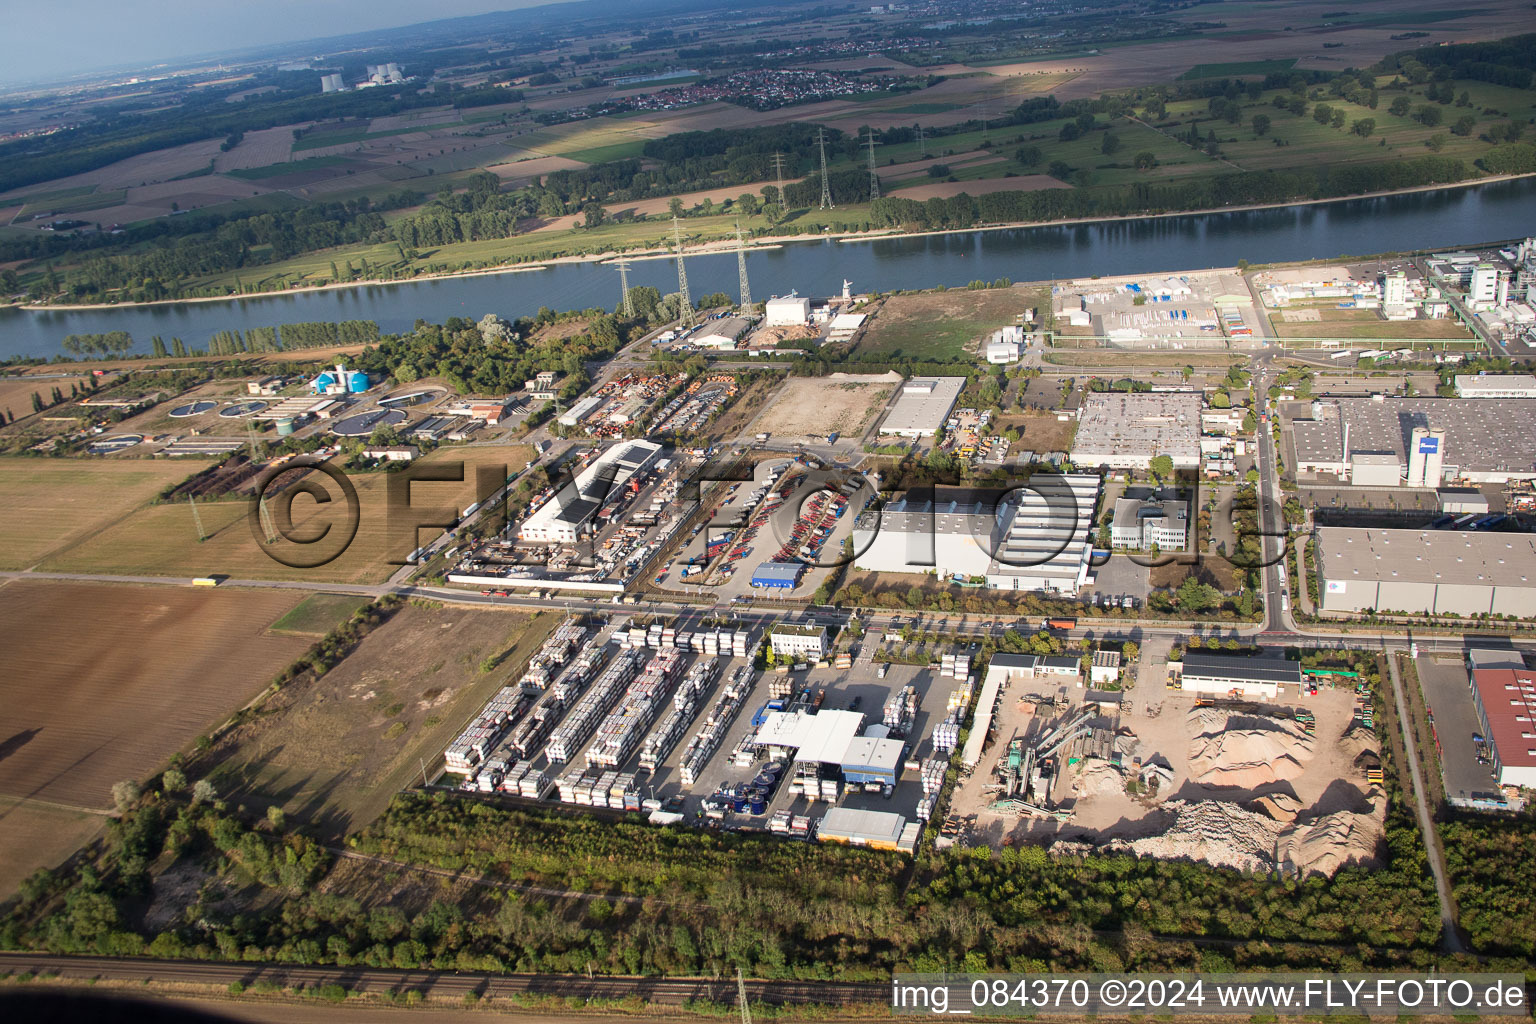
[[1060, 623], [832, 438]]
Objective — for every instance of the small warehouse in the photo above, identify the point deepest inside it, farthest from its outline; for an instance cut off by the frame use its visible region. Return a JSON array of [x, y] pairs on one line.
[[871, 760], [878, 830], [1251, 677], [778, 575], [821, 737]]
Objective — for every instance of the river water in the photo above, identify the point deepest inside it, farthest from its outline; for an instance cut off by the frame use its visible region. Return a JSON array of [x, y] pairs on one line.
[[1422, 220]]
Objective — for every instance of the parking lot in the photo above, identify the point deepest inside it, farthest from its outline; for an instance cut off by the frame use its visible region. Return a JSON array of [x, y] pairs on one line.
[[1445, 686]]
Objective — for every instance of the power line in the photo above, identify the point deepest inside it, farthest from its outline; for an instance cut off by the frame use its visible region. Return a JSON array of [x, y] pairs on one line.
[[741, 272], [826, 186], [874, 175], [778, 176], [685, 304], [198, 519], [625, 302]]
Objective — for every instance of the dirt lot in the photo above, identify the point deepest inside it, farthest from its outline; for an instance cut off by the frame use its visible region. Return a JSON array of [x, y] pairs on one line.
[[1246, 783], [743, 409], [942, 325], [817, 406], [104, 682], [1040, 433], [40, 835], [53, 503], [333, 751], [162, 540]]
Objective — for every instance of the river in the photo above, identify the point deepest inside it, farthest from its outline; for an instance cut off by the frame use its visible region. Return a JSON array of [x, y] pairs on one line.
[[1422, 220]]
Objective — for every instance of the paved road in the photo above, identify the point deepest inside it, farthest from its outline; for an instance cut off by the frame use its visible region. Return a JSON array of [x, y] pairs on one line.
[[442, 984], [1450, 938]]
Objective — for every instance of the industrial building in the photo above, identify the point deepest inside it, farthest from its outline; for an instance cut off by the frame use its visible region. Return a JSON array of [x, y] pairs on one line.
[[1435, 571], [1504, 695], [1495, 385], [778, 575], [1143, 525], [787, 311], [923, 406], [564, 518], [798, 640], [1037, 537], [340, 381], [1437, 439], [720, 334], [1229, 673], [1125, 431], [878, 830], [578, 412]]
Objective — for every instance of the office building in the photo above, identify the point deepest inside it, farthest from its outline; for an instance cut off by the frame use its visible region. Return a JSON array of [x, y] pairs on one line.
[[1143, 525], [1485, 284], [1495, 385], [798, 640]]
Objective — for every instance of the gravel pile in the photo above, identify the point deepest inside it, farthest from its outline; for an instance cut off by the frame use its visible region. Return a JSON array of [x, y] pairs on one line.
[[1245, 751]]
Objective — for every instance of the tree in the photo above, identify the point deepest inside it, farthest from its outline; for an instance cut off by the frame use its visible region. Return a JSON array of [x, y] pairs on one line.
[[276, 818], [1028, 156], [1110, 145], [1161, 467], [675, 206], [1400, 106], [1428, 116], [1059, 169], [1435, 142], [593, 215], [1194, 597], [1129, 652], [1145, 160], [1464, 125], [1322, 113], [203, 792], [1338, 119], [1261, 124], [173, 780], [125, 794], [493, 328]]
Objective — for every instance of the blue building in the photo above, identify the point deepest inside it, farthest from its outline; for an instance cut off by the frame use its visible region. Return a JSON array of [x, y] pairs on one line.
[[778, 575]]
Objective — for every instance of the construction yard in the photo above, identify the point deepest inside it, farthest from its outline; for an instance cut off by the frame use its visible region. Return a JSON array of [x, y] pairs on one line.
[[332, 751], [944, 325], [817, 406], [1251, 785]]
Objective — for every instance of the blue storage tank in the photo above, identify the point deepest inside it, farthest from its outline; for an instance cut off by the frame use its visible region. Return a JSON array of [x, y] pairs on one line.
[[357, 382], [322, 382]]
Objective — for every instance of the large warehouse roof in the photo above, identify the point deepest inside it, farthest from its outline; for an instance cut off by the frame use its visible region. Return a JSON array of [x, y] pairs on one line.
[[1119, 429], [823, 737], [1241, 669], [923, 407], [1508, 697], [1486, 436], [580, 499], [862, 828], [1425, 556]]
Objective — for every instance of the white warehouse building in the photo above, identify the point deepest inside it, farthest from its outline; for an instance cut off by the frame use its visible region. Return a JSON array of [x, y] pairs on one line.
[[787, 311], [566, 516]]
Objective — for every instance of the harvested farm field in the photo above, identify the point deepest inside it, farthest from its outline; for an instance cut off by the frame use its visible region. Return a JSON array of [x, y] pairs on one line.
[[35, 834], [817, 406], [104, 682], [334, 750], [162, 540], [53, 503], [1228, 782]]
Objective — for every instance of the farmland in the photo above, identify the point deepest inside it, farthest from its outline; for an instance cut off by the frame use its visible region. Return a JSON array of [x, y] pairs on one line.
[[110, 680], [334, 750], [319, 614], [163, 541], [940, 325], [1362, 323], [51, 504], [36, 835]]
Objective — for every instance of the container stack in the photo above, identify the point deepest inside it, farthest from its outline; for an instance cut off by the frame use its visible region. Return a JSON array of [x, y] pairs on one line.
[[513, 776], [781, 687], [925, 807], [531, 733], [482, 735], [567, 737], [716, 724], [620, 732], [946, 736], [933, 775], [699, 678], [955, 666], [533, 783], [901, 709], [553, 653]]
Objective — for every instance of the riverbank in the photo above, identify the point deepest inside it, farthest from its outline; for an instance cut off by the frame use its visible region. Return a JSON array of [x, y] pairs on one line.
[[770, 242]]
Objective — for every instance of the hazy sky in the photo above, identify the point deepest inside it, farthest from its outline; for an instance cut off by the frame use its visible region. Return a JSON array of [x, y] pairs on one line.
[[66, 36]]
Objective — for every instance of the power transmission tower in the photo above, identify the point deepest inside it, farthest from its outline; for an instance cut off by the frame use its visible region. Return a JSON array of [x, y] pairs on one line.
[[741, 272], [922, 143], [874, 176], [741, 998], [685, 304], [826, 186], [625, 302], [198, 519], [778, 176], [266, 523]]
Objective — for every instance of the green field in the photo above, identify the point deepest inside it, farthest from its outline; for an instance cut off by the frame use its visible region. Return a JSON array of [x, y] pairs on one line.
[[922, 108], [92, 200], [603, 154], [290, 167], [941, 325], [43, 198], [319, 614], [320, 140], [1236, 68]]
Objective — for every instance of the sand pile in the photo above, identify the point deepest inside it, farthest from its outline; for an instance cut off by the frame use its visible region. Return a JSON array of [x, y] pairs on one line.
[[1282, 807], [1099, 778], [1229, 835], [1245, 751]]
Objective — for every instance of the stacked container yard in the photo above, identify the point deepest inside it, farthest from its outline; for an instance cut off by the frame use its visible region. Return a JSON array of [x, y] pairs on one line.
[[901, 709], [946, 736], [933, 775], [482, 735], [552, 655], [716, 724], [568, 736], [955, 666], [530, 735], [666, 735], [619, 733], [532, 783]]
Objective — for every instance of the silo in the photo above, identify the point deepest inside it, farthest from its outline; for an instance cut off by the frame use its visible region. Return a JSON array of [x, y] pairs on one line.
[[285, 427], [322, 383], [357, 382]]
